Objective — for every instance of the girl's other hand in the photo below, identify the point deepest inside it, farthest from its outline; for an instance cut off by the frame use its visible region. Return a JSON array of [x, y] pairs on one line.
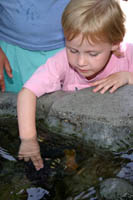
[[112, 82]]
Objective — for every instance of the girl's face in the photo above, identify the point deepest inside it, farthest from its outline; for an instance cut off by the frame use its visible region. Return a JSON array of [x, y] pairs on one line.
[[88, 59]]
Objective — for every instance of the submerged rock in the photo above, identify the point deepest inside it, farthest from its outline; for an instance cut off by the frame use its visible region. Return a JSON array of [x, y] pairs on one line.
[[116, 189]]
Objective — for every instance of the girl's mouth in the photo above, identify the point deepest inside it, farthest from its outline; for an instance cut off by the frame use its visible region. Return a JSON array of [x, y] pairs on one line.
[[83, 70]]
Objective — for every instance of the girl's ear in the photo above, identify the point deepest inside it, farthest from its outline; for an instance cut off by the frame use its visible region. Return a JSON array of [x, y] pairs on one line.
[[117, 51], [115, 47]]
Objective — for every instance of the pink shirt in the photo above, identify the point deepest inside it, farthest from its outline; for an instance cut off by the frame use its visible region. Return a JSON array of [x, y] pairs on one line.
[[56, 74]]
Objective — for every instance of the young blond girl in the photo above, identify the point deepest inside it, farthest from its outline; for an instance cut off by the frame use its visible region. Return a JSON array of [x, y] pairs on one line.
[[94, 56]]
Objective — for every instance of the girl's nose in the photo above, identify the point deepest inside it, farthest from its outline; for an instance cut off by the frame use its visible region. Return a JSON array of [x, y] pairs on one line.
[[82, 61]]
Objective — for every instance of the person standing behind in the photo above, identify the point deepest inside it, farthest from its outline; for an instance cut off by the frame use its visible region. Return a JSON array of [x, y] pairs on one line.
[[30, 33]]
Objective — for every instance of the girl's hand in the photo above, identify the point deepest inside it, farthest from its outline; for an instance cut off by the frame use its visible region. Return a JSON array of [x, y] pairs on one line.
[[4, 63], [113, 82], [29, 149]]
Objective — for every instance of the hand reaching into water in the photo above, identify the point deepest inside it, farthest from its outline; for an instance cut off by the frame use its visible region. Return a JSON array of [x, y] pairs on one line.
[[29, 149], [113, 82], [4, 63]]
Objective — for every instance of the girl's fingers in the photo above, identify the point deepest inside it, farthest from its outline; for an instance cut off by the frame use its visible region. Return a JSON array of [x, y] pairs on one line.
[[97, 82], [99, 87], [115, 87], [104, 87], [37, 161], [26, 159]]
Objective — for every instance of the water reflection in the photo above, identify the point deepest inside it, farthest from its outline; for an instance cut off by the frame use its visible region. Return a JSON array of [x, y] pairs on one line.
[[6, 155], [126, 171], [89, 194], [36, 193]]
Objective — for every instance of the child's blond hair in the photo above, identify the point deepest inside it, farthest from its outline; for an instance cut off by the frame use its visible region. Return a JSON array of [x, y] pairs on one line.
[[96, 20]]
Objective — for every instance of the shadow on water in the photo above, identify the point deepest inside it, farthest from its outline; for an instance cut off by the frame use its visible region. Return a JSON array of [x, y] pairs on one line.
[[70, 172]]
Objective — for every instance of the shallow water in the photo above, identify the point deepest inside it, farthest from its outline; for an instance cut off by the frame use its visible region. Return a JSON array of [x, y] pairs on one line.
[[69, 173]]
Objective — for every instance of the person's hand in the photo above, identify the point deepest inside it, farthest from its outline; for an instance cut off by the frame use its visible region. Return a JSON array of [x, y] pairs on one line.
[[4, 63], [112, 82], [29, 149]]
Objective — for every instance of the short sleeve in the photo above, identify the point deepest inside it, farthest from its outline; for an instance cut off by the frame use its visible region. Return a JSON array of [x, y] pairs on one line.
[[48, 77]]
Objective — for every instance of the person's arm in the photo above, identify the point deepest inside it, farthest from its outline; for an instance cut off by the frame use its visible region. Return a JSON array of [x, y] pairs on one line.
[[4, 63], [26, 108], [113, 82]]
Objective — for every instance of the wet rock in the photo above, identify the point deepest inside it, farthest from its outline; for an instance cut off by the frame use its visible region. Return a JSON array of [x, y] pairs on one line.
[[105, 121], [8, 104], [116, 189]]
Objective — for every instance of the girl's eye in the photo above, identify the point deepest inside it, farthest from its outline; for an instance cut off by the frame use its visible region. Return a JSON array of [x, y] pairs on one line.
[[93, 54], [73, 51]]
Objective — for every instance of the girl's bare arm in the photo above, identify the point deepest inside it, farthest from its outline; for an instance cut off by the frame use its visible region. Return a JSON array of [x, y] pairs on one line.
[[26, 108]]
